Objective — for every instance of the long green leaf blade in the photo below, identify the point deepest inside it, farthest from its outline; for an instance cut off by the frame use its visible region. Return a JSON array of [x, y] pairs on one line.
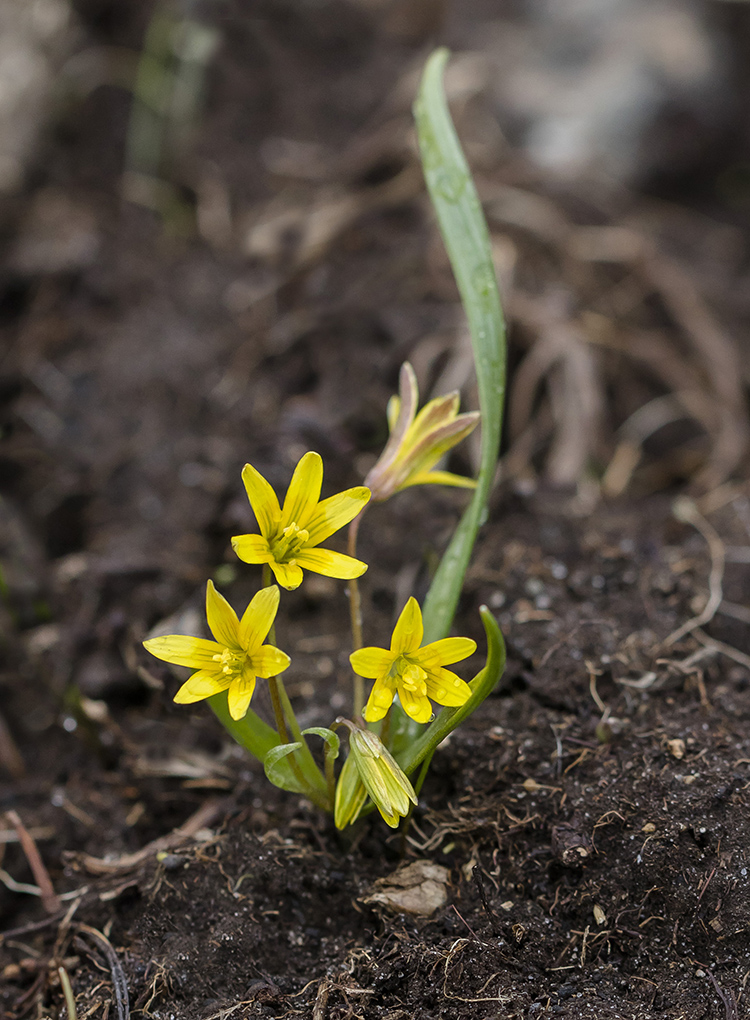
[[464, 231]]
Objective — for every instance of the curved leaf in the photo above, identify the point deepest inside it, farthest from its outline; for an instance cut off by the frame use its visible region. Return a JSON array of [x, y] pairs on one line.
[[279, 771], [332, 740]]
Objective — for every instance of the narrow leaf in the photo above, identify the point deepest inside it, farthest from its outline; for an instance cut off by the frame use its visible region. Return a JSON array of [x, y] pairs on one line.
[[464, 231]]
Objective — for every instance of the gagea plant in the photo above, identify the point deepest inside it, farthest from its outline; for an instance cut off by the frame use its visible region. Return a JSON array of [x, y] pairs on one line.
[[414, 698]]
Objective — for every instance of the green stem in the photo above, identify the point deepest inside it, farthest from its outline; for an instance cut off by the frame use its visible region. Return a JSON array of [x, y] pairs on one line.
[[313, 775], [423, 774], [274, 685], [355, 613], [304, 767], [385, 729], [328, 761], [266, 581]]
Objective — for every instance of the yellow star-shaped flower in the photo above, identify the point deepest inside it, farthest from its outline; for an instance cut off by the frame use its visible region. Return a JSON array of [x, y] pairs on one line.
[[289, 535], [416, 674], [418, 440], [233, 661]]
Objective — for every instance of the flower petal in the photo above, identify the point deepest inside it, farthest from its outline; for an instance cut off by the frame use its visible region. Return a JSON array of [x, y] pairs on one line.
[[408, 632], [270, 661], [258, 618], [240, 694], [416, 706], [446, 688], [371, 662], [445, 651], [289, 575], [202, 684], [436, 413], [350, 794], [424, 454], [263, 501], [332, 564], [380, 700], [336, 511], [439, 478], [304, 491], [400, 414], [222, 619], [181, 650], [252, 548]]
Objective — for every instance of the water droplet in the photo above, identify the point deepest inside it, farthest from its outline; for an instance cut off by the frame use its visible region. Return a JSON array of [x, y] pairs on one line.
[[450, 183], [483, 278]]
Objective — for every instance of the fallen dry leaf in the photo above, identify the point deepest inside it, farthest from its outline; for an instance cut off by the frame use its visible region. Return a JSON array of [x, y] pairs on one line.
[[419, 889]]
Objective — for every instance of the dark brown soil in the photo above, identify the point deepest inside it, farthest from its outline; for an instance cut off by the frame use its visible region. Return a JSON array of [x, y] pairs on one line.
[[593, 815]]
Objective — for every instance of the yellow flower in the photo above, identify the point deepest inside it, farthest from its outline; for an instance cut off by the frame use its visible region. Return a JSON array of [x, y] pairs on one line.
[[418, 441], [237, 656], [288, 536], [415, 673], [371, 769]]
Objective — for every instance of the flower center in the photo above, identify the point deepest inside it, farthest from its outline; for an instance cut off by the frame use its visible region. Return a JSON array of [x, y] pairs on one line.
[[409, 675], [289, 543], [230, 662]]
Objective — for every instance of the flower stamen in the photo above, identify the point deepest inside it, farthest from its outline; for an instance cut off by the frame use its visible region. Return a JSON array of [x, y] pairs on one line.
[[291, 541]]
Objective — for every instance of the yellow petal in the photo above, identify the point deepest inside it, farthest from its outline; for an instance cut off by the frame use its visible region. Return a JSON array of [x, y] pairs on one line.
[[350, 795], [304, 491], [332, 564], [436, 413], [289, 575], [202, 684], [439, 478], [263, 501], [371, 662], [240, 694], [258, 618], [400, 412], [408, 632], [445, 651], [417, 706], [270, 661], [336, 511], [392, 411], [252, 548], [446, 688], [197, 653], [424, 454], [380, 700], [222, 619]]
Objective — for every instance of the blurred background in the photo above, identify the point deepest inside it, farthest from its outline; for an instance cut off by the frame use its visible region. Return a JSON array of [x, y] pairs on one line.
[[216, 247]]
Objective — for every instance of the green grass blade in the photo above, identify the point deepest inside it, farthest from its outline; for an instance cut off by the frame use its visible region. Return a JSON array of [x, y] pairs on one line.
[[464, 231]]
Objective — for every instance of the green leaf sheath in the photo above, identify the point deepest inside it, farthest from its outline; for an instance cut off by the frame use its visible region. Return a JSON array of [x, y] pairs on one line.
[[464, 231]]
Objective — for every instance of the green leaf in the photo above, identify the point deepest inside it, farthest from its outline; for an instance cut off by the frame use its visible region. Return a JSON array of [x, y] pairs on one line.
[[332, 740], [448, 719], [250, 732], [464, 231], [278, 769]]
